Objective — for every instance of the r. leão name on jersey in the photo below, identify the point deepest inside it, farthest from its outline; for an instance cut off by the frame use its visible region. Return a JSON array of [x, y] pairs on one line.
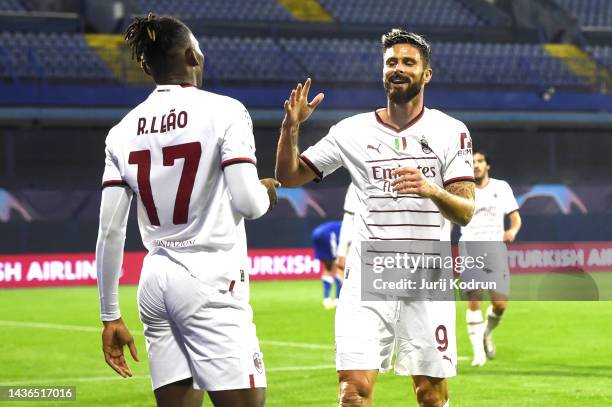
[[435, 143], [171, 150]]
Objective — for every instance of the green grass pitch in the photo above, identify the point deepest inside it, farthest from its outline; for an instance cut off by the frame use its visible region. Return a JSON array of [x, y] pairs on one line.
[[549, 353]]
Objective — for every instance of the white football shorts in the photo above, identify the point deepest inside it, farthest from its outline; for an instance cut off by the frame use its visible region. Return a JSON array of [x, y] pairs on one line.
[[421, 332], [194, 330], [494, 268]]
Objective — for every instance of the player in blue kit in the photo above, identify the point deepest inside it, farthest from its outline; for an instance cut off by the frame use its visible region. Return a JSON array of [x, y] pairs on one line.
[[325, 239]]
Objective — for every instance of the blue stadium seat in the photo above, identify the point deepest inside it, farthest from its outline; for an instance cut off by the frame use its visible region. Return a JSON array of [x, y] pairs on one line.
[[221, 10], [344, 61], [603, 55], [60, 56], [499, 64], [336, 60], [590, 13], [420, 13], [11, 6], [330, 60], [232, 58]]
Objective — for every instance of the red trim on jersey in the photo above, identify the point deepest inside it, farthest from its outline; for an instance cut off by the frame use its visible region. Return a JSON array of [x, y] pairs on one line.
[[252, 381], [458, 179], [237, 160], [114, 182], [402, 224], [395, 129], [313, 167], [401, 210], [401, 159], [187, 85], [232, 284]]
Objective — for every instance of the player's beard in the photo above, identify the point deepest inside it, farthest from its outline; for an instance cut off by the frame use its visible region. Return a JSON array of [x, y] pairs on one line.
[[479, 179], [402, 96]]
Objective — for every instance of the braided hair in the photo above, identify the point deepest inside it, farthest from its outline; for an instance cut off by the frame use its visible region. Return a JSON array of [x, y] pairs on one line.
[[152, 39]]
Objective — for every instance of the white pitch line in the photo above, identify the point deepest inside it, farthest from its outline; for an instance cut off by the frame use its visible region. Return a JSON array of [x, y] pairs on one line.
[[80, 328], [68, 381], [296, 345], [300, 368], [71, 380], [42, 325]]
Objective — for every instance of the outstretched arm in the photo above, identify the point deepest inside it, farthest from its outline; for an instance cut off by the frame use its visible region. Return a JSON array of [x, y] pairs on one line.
[[250, 196], [455, 201], [291, 171]]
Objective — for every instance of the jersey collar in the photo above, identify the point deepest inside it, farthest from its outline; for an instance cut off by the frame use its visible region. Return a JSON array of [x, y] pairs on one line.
[[167, 88], [395, 129]]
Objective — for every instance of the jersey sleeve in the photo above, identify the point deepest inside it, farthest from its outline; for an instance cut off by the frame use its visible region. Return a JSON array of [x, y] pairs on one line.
[[458, 164], [112, 172], [324, 156], [238, 144], [509, 201]]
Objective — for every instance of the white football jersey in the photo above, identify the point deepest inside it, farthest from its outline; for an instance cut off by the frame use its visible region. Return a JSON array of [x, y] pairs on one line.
[[351, 200], [439, 145], [492, 203], [171, 150], [352, 207]]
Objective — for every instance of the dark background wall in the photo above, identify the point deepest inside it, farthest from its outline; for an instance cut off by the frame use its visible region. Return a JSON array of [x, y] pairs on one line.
[[68, 161]]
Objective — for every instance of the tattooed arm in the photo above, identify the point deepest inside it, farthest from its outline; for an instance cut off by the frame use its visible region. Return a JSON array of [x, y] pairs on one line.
[[455, 201]]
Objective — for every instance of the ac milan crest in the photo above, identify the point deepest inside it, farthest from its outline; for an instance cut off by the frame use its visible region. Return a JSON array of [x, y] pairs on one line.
[[425, 145], [258, 362]]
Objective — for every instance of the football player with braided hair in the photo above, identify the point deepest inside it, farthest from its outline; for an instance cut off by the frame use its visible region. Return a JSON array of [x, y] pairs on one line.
[[189, 158]]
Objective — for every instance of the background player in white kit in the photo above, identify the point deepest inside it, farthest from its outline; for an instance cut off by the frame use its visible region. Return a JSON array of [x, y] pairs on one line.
[[189, 156], [494, 200], [396, 156]]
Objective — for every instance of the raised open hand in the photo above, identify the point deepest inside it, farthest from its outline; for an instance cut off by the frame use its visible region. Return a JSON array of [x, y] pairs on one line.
[[297, 107]]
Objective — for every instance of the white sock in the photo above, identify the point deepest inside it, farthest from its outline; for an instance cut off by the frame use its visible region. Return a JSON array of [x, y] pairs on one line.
[[492, 320], [476, 330]]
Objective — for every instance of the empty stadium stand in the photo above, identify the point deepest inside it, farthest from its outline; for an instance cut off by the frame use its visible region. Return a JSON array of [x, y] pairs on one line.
[[11, 6], [50, 56], [590, 13], [235, 10], [256, 59], [603, 54], [443, 13], [340, 61]]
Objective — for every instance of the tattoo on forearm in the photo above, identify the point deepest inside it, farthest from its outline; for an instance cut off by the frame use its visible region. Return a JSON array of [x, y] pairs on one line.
[[464, 189]]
